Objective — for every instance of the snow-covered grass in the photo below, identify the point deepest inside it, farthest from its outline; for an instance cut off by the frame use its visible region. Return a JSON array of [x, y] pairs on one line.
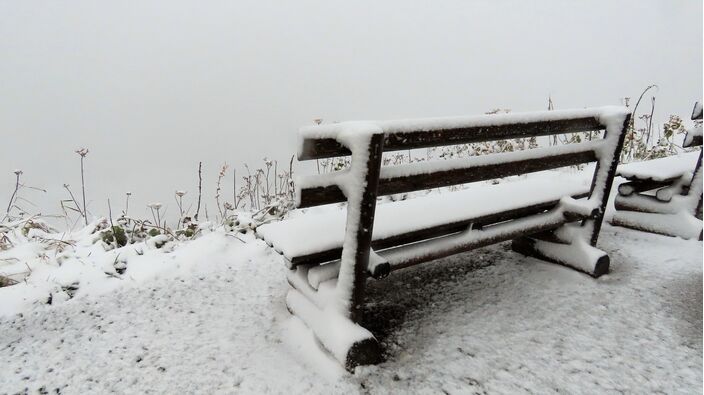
[[488, 321]]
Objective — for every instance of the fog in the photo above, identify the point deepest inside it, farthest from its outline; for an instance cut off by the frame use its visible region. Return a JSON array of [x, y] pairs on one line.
[[153, 87]]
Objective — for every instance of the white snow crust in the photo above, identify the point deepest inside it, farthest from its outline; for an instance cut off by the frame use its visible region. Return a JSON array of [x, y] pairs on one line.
[[439, 123], [487, 321], [694, 131], [660, 169]]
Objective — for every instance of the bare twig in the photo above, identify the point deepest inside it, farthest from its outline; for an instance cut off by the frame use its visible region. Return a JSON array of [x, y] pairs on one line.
[[73, 199], [223, 170], [234, 187], [83, 152], [17, 187], [200, 183], [127, 202], [112, 226]]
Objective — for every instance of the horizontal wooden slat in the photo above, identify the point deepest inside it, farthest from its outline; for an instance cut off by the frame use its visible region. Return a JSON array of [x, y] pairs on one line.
[[430, 250], [395, 141], [317, 196], [436, 231], [631, 187]]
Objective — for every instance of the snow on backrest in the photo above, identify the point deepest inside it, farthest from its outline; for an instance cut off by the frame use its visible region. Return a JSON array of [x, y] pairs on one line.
[[323, 141], [320, 141]]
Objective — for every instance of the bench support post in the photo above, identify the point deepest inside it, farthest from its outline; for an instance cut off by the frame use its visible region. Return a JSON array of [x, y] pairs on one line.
[[335, 316], [606, 180], [367, 351], [365, 224], [578, 249]]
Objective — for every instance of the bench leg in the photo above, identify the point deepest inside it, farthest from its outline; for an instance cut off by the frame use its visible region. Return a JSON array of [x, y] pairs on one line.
[[578, 255], [603, 180], [577, 248], [334, 313], [358, 232]]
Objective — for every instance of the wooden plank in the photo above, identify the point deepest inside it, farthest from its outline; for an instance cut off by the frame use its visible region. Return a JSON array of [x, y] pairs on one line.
[[437, 248], [433, 232], [317, 196], [365, 226], [695, 186], [329, 148], [608, 181], [629, 188], [633, 203]]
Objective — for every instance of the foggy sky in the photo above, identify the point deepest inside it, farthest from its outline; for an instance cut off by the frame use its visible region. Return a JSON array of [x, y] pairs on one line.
[[153, 87]]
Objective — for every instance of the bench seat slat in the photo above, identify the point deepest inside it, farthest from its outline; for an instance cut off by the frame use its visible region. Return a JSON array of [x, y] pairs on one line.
[[661, 169], [420, 176], [311, 234], [435, 231]]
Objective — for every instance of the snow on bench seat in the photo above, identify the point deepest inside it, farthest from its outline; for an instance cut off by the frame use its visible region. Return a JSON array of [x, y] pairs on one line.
[[661, 169], [312, 233]]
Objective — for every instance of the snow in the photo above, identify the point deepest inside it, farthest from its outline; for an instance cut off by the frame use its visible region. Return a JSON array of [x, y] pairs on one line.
[[679, 223], [603, 114], [660, 169], [694, 131], [488, 321], [310, 233], [89, 266], [335, 330]]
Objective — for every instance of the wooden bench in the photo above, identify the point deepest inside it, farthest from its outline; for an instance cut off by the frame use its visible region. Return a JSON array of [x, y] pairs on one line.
[[553, 216], [664, 195]]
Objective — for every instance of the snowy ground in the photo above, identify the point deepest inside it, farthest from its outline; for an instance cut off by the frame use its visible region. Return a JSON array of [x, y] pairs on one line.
[[488, 321]]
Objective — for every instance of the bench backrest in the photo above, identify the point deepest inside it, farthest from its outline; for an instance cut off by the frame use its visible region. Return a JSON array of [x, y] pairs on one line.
[[322, 141]]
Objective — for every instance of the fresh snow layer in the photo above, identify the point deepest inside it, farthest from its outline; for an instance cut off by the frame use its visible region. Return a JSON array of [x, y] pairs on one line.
[[602, 114], [660, 169], [488, 321], [311, 233], [694, 131]]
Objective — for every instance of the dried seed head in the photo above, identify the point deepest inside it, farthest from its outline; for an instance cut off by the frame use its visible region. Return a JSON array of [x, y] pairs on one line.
[[82, 152]]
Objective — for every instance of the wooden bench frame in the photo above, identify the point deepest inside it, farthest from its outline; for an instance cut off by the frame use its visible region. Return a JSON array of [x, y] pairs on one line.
[[564, 231], [661, 212]]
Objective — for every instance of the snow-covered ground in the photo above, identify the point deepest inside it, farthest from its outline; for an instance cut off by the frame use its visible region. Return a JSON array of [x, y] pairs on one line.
[[488, 321]]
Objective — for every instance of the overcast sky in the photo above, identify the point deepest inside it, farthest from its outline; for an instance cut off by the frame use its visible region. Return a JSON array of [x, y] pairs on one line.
[[153, 87]]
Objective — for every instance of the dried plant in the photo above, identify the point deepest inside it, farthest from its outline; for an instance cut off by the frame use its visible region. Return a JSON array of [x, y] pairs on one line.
[[82, 152]]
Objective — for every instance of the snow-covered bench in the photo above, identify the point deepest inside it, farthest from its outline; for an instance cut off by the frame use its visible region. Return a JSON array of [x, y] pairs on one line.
[[331, 255], [664, 195]]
